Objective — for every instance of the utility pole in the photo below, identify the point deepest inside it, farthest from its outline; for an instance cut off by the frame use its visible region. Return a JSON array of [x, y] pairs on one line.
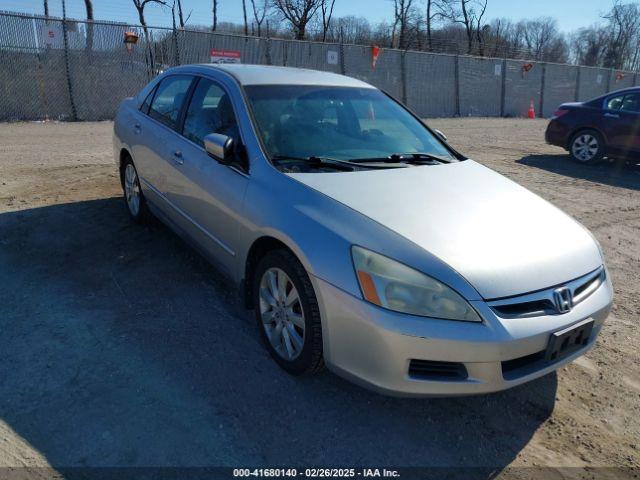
[[74, 113]]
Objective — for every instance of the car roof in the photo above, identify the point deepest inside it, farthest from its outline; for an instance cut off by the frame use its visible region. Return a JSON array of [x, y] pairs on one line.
[[273, 75], [598, 100], [622, 90]]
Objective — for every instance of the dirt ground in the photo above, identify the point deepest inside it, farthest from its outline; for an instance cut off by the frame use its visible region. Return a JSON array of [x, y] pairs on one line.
[[120, 346]]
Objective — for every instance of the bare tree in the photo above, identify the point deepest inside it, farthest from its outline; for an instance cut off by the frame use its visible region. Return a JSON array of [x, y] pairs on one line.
[[624, 32], [140, 5], [543, 39], [435, 9], [244, 13], [180, 15], [430, 18], [472, 14], [401, 17], [89, 7], [215, 16], [326, 8], [588, 45], [298, 13], [469, 13], [259, 13], [350, 29]]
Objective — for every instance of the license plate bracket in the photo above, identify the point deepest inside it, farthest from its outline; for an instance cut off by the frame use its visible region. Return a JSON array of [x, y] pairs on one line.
[[565, 342]]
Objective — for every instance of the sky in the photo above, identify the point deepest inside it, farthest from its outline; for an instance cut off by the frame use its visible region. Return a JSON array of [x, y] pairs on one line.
[[570, 14]]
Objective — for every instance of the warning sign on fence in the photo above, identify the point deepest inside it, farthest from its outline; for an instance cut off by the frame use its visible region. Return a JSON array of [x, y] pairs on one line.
[[225, 56], [51, 35]]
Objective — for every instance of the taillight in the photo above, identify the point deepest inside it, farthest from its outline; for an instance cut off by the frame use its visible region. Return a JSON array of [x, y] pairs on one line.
[[559, 113]]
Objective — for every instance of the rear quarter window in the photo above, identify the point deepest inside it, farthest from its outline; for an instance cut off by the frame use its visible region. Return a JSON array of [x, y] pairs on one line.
[[147, 101]]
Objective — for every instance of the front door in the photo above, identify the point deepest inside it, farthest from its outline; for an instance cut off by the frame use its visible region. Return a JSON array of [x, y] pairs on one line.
[[209, 194]]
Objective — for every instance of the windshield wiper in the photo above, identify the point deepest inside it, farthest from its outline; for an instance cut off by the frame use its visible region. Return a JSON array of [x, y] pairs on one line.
[[417, 156], [321, 161], [412, 157]]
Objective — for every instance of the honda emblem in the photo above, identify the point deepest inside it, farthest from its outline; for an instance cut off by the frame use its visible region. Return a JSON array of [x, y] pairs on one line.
[[563, 299]]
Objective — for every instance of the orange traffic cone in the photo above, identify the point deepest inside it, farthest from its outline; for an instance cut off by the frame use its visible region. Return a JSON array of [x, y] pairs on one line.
[[532, 111]]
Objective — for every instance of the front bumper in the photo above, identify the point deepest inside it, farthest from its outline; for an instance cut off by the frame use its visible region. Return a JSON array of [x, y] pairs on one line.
[[373, 347]]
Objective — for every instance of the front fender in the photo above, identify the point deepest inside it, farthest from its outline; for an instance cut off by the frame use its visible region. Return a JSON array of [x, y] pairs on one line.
[[321, 231]]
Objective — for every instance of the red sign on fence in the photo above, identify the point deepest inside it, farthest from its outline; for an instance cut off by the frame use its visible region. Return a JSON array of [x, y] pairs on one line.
[[225, 56], [51, 35]]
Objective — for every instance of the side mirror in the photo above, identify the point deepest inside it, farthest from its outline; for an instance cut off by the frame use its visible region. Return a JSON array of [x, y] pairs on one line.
[[441, 135], [220, 147]]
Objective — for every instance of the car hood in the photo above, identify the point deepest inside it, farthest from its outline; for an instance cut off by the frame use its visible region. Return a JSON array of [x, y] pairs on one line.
[[502, 238]]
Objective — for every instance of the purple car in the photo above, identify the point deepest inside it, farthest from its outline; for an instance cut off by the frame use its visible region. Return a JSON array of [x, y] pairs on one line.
[[607, 126]]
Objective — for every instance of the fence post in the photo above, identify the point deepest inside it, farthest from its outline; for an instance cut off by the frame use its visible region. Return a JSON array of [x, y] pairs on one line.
[[577, 96], [503, 92], [74, 112], [542, 87], [457, 83], [403, 75], [343, 70], [267, 52], [176, 46]]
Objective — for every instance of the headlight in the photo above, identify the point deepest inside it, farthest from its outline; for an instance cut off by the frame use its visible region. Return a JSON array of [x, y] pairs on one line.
[[395, 286]]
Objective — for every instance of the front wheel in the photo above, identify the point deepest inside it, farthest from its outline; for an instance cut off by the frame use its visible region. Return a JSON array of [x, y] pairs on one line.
[[287, 313], [587, 147]]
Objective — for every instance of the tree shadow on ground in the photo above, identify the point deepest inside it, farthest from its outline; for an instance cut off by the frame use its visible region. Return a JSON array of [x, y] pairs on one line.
[[122, 347]]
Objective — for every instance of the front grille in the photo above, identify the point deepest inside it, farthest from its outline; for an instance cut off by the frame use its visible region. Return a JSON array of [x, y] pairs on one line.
[[541, 302], [586, 288], [534, 308], [437, 371]]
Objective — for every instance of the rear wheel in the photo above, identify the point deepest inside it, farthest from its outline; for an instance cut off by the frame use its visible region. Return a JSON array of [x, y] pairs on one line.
[[136, 205], [587, 147]]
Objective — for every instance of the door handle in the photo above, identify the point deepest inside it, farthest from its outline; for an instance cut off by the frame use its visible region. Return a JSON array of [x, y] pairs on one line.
[[612, 115], [137, 128], [177, 157]]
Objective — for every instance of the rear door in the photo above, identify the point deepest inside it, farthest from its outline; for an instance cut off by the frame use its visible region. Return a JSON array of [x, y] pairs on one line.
[[209, 195], [621, 122], [156, 151]]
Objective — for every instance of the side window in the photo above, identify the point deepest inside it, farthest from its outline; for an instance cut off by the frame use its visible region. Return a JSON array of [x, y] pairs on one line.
[[210, 111], [631, 103], [170, 95], [144, 108], [614, 103]]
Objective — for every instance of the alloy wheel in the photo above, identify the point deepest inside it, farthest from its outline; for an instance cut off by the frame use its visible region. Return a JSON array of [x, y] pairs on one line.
[[132, 189], [281, 313], [585, 147]]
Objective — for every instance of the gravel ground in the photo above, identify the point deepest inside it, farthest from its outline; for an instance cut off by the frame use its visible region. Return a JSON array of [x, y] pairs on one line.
[[120, 346]]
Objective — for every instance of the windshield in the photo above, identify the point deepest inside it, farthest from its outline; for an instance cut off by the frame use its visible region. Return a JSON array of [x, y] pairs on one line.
[[344, 123]]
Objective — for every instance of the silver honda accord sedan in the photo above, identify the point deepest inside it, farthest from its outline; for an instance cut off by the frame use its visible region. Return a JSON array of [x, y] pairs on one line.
[[360, 237]]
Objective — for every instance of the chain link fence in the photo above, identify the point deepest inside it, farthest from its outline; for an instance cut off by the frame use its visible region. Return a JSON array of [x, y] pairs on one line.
[[78, 70]]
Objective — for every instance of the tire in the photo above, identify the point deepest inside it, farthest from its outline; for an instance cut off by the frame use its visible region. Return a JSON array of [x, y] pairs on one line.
[[292, 332], [133, 197], [587, 147]]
